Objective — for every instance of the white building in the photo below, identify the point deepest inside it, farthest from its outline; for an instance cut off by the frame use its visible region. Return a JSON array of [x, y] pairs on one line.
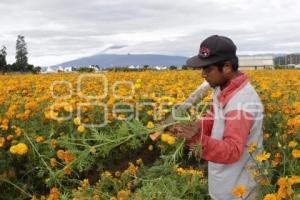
[[68, 69], [256, 62]]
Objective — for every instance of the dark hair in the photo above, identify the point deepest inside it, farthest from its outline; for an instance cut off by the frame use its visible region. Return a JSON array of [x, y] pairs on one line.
[[233, 61]]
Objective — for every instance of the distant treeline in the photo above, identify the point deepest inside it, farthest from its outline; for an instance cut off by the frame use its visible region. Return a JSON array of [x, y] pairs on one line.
[[21, 64]]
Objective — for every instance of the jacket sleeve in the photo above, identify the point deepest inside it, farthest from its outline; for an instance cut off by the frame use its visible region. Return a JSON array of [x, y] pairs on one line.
[[237, 125]]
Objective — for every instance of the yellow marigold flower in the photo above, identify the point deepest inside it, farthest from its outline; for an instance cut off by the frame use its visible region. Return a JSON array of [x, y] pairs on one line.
[[2, 142], [4, 127], [150, 147], [150, 124], [254, 173], [93, 150], [123, 194], [96, 197], [276, 94], [251, 147], [239, 191], [167, 138], [297, 121], [117, 173], [68, 108], [86, 120], [263, 156], [131, 169], [39, 139], [106, 174], [18, 131], [292, 144], [296, 153], [139, 161], [80, 129], [180, 170], [53, 143], [85, 183], [150, 112], [266, 136], [19, 149], [264, 181], [53, 162], [270, 197], [137, 85], [76, 121]]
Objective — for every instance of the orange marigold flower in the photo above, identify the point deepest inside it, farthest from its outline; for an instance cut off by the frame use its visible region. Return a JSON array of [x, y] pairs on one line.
[[9, 137], [54, 194], [296, 153], [60, 154], [39, 139], [64, 155], [294, 180], [270, 197], [67, 170], [53, 143], [239, 191]]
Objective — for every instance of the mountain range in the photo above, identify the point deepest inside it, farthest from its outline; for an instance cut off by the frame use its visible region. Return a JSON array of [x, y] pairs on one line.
[[117, 60], [111, 60]]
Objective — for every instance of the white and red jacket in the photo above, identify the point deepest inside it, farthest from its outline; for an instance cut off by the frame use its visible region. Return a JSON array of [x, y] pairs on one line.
[[233, 122]]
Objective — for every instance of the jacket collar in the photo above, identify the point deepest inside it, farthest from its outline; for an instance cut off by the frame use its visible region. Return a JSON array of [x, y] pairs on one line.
[[232, 87]]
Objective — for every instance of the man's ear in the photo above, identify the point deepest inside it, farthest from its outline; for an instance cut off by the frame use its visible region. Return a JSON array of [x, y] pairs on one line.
[[227, 69]]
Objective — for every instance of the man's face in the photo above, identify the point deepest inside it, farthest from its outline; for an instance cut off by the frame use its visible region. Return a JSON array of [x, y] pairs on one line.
[[213, 76]]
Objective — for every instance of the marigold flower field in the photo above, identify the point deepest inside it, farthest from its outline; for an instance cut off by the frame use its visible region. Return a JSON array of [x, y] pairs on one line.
[[86, 136]]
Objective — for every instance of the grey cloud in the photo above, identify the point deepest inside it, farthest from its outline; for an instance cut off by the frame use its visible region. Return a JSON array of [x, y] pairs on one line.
[[72, 27]]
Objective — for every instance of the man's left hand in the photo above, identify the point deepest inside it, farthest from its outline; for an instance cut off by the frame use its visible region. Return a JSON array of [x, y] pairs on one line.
[[184, 131]]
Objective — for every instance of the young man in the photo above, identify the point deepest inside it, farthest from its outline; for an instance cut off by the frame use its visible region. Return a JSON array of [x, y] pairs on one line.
[[234, 120]]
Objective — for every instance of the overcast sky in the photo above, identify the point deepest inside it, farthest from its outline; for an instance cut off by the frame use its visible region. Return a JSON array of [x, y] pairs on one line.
[[61, 30]]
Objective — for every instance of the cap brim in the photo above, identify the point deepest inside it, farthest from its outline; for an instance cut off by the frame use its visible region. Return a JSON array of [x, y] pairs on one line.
[[198, 62]]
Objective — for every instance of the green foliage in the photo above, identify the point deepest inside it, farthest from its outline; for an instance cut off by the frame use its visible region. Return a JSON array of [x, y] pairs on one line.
[[173, 67], [21, 54], [85, 70], [3, 63]]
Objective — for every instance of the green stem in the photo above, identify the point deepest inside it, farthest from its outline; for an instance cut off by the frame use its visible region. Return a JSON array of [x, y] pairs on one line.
[[37, 152], [16, 186]]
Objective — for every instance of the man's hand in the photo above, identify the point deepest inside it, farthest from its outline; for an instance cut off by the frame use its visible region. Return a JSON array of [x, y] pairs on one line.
[[184, 131]]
